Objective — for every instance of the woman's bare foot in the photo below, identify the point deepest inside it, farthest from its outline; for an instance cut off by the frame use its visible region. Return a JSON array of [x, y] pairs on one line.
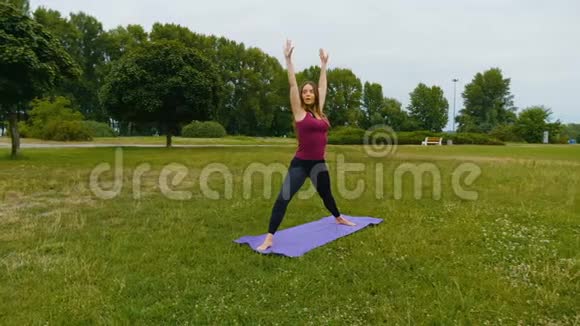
[[267, 242], [342, 220]]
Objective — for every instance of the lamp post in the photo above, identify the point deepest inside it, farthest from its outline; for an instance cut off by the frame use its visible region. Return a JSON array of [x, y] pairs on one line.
[[454, 90]]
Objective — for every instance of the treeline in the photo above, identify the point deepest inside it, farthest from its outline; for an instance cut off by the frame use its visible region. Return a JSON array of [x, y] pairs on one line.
[[159, 81]]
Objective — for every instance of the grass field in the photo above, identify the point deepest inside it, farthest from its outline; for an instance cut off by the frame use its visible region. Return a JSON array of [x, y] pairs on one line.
[[509, 257]]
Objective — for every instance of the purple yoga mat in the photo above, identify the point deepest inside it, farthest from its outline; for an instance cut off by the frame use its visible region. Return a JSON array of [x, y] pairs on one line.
[[300, 239]]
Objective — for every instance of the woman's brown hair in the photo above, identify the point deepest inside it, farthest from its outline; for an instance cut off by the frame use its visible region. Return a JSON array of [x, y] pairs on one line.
[[315, 108]]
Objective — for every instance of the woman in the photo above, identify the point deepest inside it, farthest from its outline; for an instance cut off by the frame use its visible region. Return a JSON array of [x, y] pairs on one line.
[[312, 130]]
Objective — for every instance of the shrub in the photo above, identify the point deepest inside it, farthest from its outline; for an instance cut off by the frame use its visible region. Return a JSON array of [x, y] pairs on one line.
[[54, 119], [474, 138], [353, 135], [191, 130], [22, 130], [65, 131], [98, 129], [205, 129], [346, 135], [506, 133], [416, 137]]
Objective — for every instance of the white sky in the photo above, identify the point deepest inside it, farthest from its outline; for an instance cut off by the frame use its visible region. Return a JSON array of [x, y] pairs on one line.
[[394, 43]]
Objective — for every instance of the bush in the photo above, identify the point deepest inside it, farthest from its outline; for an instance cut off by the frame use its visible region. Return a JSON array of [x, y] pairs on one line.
[[205, 129], [22, 130], [416, 137], [191, 130], [346, 135], [561, 140], [353, 135], [66, 131], [506, 133], [54, 119], [98, 129], [474, 139]]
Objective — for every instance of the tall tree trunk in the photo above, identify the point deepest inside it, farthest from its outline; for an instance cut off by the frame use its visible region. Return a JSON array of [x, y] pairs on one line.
[[14, 134], [2, 125], [168, 138]]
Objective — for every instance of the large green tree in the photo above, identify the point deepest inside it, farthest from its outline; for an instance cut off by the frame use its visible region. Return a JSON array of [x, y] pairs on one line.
[[22, 5], [61, 28], [488, 103], [92, 48], [32, 61], [428, 107], [396, 117], [343, 99], [255, 98], [84, 39], [311, 73], [120, 40], [117, 42], [533, 121], [372, 105], [260, 93], [162, 82]]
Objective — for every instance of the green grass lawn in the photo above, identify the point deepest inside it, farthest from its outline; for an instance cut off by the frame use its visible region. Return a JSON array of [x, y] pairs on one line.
[[509, 257]]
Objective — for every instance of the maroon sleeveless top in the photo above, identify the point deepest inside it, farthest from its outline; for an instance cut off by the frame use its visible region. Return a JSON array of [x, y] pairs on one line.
[[312, 135]]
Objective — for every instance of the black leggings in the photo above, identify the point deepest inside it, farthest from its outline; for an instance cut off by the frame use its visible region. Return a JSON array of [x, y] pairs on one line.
[[298, 171]]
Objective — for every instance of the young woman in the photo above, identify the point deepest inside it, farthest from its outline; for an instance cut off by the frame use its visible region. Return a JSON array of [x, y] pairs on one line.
[[312, 130]]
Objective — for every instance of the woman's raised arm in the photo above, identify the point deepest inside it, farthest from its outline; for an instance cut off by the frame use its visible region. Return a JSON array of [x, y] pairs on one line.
[[294, 96], [322, 86]]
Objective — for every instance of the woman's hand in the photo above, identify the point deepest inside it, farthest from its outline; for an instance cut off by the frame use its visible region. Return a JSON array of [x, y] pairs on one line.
[[288, 48], [323, 56]]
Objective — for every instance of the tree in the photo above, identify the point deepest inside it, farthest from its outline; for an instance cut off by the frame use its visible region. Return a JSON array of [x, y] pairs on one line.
[[22, 5], [162, 82], [372, 104], [62, 28], [255, 93], [533, 121], [343, 99], [117, 42], [92, 49], [488, 103], [262, 91], [32, 61], [120, 40], [429, 107], [570, 130], [311, 73], [396, 117], [83, 37]]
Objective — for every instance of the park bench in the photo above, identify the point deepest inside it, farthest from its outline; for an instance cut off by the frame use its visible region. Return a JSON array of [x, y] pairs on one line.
[[432, 140]]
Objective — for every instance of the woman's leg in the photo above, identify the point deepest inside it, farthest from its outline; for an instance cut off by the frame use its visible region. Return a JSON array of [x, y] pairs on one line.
[[321, 180], [292, 182]]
